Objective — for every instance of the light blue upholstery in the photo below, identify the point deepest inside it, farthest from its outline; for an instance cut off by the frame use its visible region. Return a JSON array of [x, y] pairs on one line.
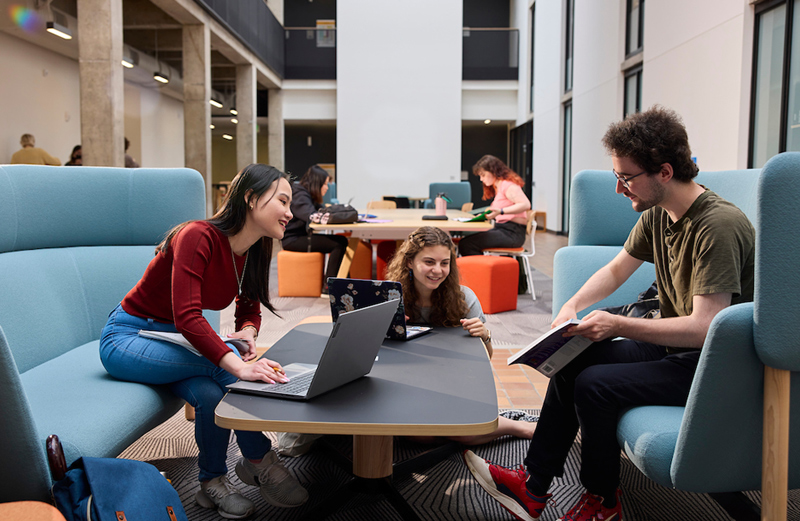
[[458, 193], [714, 443], [73, 241], [330, 195]]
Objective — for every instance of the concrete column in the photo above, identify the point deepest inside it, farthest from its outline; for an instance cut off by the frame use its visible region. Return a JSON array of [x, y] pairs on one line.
[[246, 105], [276, 134], [196, 108], [102, 90]]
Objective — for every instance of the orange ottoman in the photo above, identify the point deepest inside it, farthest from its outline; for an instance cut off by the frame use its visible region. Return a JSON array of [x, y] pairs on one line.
[[493, 279], [300, 273]]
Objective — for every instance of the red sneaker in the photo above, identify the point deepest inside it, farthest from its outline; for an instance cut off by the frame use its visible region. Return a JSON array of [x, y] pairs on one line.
[[507, 486], [590, 508]]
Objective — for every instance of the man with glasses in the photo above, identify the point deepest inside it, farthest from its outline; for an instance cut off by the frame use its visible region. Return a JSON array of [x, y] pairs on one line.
[[703, 249]]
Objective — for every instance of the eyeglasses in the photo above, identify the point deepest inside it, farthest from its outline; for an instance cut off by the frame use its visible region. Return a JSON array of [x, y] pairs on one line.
[[626, 180]]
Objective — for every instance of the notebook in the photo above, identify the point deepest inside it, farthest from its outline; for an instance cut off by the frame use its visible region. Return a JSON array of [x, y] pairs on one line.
[[349, 354], [349, 294]]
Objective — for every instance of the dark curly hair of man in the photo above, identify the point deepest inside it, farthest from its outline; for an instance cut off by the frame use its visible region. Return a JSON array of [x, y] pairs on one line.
[[652, 138]]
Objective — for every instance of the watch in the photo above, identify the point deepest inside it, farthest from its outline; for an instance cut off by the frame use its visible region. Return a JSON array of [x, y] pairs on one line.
[[502, 211], [488, 336]]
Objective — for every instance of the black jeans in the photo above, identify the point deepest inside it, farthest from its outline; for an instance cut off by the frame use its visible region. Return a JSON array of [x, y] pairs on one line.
[[591, 392], [503, 235], [336, 245]]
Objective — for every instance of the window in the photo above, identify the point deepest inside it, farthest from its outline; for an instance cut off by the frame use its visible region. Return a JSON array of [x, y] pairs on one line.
[[775, 106], [634, 32], [633, 91], [533, 46], [566, 172], [570, 36]]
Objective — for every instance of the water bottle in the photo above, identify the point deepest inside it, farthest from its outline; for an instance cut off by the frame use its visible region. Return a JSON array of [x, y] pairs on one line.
[[441, 204]]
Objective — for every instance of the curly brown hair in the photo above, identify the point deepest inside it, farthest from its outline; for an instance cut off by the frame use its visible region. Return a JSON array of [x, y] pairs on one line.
[[652, 138], [497, 168], [448, 305]]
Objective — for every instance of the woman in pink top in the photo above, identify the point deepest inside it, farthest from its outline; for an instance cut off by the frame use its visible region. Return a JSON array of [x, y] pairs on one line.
[[508, 209]]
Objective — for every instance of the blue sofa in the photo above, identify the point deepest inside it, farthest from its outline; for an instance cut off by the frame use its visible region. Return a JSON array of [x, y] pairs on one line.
[[73, 241], [713, 444]]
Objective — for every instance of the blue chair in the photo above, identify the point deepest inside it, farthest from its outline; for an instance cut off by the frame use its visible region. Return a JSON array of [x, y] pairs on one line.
[[73, 241], [776, 341], [458, 193], [330, 195], [713, 444]]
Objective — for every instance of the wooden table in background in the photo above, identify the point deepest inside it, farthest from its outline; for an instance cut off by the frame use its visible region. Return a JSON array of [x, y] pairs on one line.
[[402, 222]]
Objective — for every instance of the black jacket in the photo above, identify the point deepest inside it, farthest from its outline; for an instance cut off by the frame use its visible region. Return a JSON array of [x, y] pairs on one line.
[[302, 208]]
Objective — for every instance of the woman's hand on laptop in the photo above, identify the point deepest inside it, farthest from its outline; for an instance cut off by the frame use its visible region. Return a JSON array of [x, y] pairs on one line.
[[264, 370]]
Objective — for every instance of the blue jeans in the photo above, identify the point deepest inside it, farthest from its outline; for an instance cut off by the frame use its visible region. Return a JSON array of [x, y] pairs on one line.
[[128, 356]]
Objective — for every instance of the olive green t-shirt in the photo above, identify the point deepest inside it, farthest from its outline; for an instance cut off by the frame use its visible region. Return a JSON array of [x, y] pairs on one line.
[[711, 249]]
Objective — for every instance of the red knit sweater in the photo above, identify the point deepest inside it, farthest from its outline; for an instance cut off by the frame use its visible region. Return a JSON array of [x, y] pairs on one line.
[[195, 273]]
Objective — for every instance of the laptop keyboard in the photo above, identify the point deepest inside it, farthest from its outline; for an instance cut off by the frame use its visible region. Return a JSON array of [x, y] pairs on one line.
[[297, 385]]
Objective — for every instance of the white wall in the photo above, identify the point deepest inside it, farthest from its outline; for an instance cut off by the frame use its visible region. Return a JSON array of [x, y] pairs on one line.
[[41, 96], [398, 96], [547, 125], [162, 130], [693, 64], [309, 100], [596, 95]]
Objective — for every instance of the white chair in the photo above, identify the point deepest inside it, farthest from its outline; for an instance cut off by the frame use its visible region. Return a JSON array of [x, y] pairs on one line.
[[527, 251]]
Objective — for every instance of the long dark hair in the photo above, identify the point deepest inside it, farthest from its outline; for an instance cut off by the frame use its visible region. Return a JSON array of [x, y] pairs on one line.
[[247, 187], [313, 180], [497, 168], [448, 305]]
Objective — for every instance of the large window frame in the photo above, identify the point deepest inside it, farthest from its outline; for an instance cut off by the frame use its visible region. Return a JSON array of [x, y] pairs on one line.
[[791, 42], [569, 47], [634, 14], [634, 74], [566, 166]]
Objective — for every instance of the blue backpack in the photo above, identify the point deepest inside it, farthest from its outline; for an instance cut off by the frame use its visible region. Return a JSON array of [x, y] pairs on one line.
[[110, 489]]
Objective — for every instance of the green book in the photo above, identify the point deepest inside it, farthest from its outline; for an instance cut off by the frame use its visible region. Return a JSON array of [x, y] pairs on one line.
[[481, 217]]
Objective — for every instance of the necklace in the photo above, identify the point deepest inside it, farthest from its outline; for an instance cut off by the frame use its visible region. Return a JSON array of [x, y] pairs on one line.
[[244, 268]]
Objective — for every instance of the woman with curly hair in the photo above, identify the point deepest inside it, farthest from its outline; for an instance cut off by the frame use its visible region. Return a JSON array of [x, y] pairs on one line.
[[425, 264], [508, 209]]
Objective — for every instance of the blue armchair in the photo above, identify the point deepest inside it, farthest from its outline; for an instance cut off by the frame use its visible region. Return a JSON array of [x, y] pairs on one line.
[[73, 241], [458, 193], [712, 445]]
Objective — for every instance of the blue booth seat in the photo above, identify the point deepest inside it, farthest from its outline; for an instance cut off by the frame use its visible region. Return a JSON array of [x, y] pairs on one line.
[[73, 242]]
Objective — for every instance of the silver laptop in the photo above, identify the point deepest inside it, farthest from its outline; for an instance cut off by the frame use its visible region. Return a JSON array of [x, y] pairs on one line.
[[349, 354]]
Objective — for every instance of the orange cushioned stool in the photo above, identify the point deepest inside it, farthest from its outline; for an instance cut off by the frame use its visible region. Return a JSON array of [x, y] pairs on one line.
[[493, 279], [300, 273]]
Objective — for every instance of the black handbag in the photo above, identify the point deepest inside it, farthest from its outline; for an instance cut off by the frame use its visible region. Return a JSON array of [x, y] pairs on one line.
[[335, 214]]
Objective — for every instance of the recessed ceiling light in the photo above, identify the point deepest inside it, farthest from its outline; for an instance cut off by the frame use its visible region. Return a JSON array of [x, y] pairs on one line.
[[487, 121], [211, 126], [161, 78], [234, 121], [234, 112], [215, 103], [127, 64], [227, 136]]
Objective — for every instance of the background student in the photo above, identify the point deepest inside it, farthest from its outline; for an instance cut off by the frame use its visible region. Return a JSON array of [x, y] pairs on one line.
[[307, 197], [508, 209], [425, 264], [206, 265], [29, 154]]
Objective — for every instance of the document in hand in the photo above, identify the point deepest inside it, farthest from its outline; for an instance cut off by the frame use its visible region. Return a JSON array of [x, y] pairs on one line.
[[551, 351], [177, 338]]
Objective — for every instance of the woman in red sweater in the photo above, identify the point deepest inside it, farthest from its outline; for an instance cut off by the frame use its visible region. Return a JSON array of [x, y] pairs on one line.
[[206, 265]]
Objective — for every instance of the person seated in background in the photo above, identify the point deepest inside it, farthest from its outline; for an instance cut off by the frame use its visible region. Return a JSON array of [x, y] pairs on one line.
[[425, 264], [703, 249], [75, 158], [508, 208], [30, 155], [307, 197], [201, 265], [129, 161]]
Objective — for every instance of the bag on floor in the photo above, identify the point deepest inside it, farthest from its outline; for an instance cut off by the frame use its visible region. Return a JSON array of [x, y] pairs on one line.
[[111, 489]]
